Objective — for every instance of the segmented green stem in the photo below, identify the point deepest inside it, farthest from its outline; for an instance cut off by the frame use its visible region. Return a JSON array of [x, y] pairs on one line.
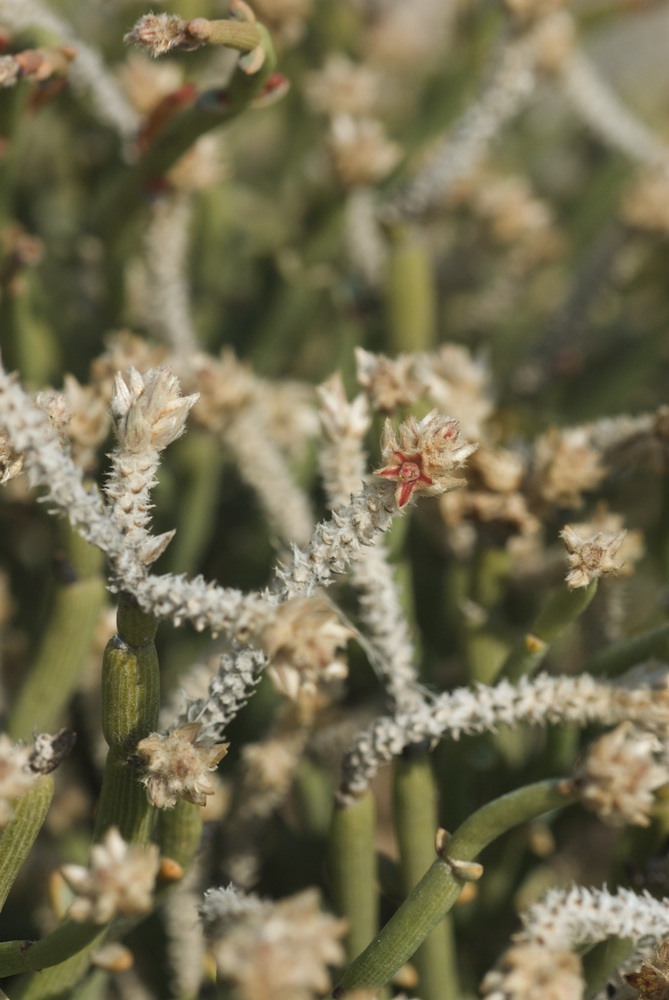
[[562, 608], [439, 888], [416, 821], [353, 870], [21, 831]]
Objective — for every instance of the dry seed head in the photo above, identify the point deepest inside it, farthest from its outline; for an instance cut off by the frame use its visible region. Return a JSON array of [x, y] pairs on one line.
[[389, 382], [619, 775], [120, 880], [157, 34], [177, 767], [534, 972], [342, 87], [591, 556], [361, 154]]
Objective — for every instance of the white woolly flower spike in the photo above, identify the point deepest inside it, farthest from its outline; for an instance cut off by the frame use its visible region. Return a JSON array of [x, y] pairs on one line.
[[148, 410]]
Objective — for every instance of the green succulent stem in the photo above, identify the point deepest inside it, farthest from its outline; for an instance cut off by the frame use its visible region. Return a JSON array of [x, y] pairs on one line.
[[353, 870], [120, 203], [601, 962], [21, 831], [66, 642], [416, 822], [619, 656], [410, 292], [130, 707], [439, 888], [563, 608], [180, 832], [130, 704]]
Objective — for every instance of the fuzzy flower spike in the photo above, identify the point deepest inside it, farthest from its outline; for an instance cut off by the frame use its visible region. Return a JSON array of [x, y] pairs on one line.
[[424, 456]]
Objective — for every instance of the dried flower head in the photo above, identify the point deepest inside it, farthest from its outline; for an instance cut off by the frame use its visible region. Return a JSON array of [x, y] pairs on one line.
[[590, 557], [566, 464], [459, 383], [11, 463], [148, 410], [120, 880], [178, 767], [303, 643], [16, 778], [646, 205], [361, 154], [389, 382], [160, 33], [652, 980], [618, 776], [342, 87], [424, 456], [535, 972], [273, 951], [89, 420]]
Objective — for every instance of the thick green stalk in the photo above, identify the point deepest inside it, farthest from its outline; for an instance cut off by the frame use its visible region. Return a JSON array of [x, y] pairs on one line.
[[198, 465], [439, 888], [602, 961], [620, 656], [416, 822], [120, 203], [562, 608], [21, 831], [353, 870], [65, 645], [411, 298], [130, 705], [180, 832]]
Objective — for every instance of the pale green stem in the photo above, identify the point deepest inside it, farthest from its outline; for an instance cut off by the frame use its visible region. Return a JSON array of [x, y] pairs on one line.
[[416, 822], [626, 653], [353, 870], [563, 607], [439, 888], [198, 465], [65, 645], [410, 292], [21, 831], [180, 832]]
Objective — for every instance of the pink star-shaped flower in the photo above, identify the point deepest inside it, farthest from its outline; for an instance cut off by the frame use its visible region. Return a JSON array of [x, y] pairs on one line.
[[408, 471]]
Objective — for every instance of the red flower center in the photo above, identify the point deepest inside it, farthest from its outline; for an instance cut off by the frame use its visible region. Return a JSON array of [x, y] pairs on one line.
[[409, 472]]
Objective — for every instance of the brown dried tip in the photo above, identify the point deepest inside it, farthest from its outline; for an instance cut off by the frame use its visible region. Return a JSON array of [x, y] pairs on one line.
[[49, 750]]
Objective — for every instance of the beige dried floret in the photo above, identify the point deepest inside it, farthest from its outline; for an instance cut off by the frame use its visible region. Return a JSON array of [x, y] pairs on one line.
[[619, 775], [360, 151], [176, 766], [282, 951], [342, 87], [390, 383], [11, 463], [535, 972], [591, 556], [422, 459], [565, 466], [652, 979], [148, 410], [304, 643], [120, 880], [459, 383]]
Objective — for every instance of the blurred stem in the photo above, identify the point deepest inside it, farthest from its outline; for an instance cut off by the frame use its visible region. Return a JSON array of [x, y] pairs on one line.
[[416, 822], [121, 202], [626, 653], [21, 831], [27, 339], [64, 955], [563, 608], [313, 785], [602, 961], [439, 888], [198, 466], [410, 292], [66, 642], [353, 870]]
